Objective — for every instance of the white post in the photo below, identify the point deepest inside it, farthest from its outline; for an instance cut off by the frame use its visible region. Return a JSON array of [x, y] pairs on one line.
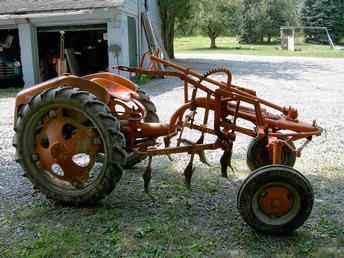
[[117, 31], [291, 40], [29, 53]]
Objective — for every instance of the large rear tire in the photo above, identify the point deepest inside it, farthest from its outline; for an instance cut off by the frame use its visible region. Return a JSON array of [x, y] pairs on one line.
[[151, 117], [85, 114], [275, 199]]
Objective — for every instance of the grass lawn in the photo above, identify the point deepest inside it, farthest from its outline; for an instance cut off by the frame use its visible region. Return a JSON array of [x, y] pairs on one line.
[[228, 45], [180, 223]]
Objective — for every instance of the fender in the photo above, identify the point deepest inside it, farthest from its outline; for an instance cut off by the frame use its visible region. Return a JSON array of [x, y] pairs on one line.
[[102, 85], [112, 77]]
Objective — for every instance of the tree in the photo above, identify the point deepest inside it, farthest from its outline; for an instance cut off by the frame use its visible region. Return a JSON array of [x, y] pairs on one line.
[[170, 11], [279, 13], [214, 17], [263, 18], [187, 25], [250, 27], [323, 13]]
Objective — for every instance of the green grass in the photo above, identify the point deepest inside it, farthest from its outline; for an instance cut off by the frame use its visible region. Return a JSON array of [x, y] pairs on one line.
[[180, 223], [227, 45]]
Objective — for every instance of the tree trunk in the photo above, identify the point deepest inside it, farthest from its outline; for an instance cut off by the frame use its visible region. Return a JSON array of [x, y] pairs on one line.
[[170, 50], [212, 35], [167, 22], [213, 42]]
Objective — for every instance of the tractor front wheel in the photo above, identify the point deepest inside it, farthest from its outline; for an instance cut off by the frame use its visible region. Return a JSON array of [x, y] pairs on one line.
[[259, 156], [60, 136], [275, 199]]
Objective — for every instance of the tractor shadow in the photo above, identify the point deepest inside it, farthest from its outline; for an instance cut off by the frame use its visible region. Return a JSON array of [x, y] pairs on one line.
[[287, 70], [276, 69]]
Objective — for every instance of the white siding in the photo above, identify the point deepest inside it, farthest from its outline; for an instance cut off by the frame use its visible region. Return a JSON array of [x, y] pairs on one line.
[[29, 53], [131, 7], [154, 12]]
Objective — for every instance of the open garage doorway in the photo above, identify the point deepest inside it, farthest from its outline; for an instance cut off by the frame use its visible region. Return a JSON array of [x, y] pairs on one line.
[[10, 63], [86, 50]]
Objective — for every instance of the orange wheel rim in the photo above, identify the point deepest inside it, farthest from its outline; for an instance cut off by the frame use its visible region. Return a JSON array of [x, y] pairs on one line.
[[275, 201], [57, 151]]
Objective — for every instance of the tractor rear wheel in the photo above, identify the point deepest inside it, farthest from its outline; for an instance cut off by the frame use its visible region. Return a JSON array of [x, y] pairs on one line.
[[59, 136], [151, 117], [258, 155], [275, 199]]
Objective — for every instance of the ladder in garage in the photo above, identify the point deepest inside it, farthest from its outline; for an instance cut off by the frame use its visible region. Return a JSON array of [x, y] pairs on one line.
[[152, 39]]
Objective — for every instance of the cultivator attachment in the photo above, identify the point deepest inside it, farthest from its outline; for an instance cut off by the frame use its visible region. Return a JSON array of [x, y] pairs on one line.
[[228, 103]]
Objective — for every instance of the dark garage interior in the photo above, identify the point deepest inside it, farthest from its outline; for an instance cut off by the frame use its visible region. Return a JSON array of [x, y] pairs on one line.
[[86, 50], [10, 63]]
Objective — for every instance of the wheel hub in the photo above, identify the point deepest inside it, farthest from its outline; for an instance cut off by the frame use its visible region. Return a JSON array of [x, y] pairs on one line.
[[60, 145], [275, 201]]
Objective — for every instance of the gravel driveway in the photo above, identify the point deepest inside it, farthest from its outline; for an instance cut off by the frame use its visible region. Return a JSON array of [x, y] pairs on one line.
[[314, 86]]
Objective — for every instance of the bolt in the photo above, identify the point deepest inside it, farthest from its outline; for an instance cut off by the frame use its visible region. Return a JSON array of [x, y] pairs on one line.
[[52, 114]]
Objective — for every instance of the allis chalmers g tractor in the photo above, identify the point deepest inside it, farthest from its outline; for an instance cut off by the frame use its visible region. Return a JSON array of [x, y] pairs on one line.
[[75, 135]]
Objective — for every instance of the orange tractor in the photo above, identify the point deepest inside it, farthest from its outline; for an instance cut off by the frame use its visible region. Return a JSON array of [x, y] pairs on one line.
[[75, 135]]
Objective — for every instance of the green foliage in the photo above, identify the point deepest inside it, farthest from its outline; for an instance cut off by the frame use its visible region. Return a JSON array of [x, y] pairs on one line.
[[170, 11], [263, 18], [323, 13], [259, 21], [253, 21], [216, 18]]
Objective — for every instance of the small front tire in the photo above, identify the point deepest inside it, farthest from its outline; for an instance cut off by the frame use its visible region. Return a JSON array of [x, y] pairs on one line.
[[275, 199]]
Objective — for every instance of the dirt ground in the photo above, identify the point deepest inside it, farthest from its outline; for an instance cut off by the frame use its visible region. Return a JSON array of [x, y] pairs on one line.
[[202, 222]]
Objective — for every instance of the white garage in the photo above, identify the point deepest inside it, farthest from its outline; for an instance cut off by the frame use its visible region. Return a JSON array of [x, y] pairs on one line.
[[99, 34]]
